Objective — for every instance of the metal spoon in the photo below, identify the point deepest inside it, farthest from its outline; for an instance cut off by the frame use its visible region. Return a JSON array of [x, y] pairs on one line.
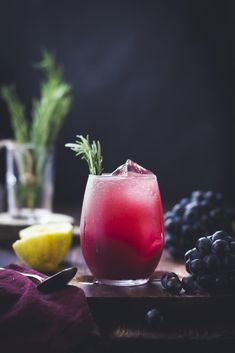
[[49, 284]]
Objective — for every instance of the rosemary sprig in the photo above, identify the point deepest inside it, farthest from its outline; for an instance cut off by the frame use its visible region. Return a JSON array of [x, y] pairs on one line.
[[17, 112], [53, 105], [89, 151], [48, 112]]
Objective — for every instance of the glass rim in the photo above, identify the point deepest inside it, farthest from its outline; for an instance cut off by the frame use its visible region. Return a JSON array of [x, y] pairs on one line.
[[28, 145], [109, 176]]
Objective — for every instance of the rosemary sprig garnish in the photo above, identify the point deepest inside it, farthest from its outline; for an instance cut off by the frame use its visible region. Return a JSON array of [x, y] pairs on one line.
[[89, 151]]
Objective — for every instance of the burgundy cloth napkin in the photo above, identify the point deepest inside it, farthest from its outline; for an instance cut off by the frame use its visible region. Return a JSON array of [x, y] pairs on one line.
[[33, 322]]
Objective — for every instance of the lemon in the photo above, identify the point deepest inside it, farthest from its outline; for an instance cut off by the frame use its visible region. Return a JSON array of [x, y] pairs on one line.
[[43, 246]]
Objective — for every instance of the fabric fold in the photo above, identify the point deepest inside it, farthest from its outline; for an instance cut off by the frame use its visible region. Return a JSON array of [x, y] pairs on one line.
[[36, 322]]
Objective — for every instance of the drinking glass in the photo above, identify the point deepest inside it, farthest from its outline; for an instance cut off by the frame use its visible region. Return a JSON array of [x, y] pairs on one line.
[[122, 228]]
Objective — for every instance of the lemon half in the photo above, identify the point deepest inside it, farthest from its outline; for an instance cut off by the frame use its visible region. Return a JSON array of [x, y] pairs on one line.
[[43, 246]]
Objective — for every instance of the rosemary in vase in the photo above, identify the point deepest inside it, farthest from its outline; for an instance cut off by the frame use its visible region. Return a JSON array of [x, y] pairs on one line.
[[47, 116]]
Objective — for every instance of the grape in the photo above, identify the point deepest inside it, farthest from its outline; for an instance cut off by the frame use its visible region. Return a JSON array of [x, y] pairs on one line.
[[210, 197], [153, 318], [170, 225], [166, 277], [183, 202], [204, 208], [211, 262], [171, 241], [196, 266], [192, 254], [178, 210], [171, 282], [220, 235], [174, 285], [197, 195], [217, 214], [190, 216], [220, 247], [225, 262], [168, 215], [203, 245], [189, 283], [186, 230], [200, 214]]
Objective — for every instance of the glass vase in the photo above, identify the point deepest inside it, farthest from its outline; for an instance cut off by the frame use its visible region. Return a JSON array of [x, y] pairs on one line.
[[29, 181]]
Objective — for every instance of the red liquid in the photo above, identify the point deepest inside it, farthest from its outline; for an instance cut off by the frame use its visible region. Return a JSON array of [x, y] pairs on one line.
[[122, 226]]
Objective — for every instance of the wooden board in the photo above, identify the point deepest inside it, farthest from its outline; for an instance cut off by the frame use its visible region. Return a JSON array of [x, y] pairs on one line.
[[186, 320], [121, 313]]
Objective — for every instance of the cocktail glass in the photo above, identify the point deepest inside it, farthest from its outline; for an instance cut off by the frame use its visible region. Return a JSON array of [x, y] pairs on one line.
[[122, 228]]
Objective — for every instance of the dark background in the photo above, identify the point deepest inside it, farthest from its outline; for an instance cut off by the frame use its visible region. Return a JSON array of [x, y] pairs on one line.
[[153, 80]]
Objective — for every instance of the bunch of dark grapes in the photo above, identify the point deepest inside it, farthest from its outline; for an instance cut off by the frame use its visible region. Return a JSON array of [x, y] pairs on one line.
[[201, 213], [211, 265]]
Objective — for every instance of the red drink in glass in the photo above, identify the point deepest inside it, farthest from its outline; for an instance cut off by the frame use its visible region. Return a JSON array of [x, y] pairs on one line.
[[122, 227]]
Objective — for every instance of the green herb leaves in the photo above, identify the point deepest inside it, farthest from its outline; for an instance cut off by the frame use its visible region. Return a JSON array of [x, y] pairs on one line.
[[90, 152], [48, 112], [17, 112], [53, 105]]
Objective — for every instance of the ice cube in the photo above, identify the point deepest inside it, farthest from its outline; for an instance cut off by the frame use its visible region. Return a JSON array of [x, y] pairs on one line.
[[130, 168]]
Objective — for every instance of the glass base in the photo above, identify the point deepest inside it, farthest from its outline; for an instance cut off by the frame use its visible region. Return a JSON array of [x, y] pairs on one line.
[[31, 215], [124, 282]]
